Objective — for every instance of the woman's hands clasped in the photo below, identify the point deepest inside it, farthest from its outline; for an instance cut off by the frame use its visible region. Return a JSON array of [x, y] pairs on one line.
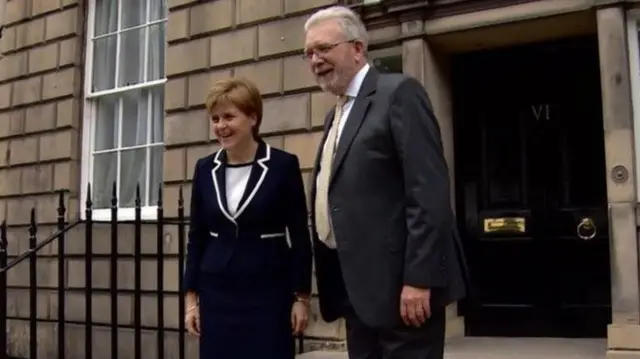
[[299, 316], [192, 320]]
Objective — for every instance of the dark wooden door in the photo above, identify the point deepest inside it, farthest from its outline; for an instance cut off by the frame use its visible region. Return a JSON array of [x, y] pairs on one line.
[[531, 189]]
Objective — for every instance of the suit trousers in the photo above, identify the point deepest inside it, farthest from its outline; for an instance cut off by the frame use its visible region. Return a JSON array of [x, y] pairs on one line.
[[425, 342]]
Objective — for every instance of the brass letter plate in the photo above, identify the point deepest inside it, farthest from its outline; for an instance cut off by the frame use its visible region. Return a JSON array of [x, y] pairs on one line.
[[504, 225]]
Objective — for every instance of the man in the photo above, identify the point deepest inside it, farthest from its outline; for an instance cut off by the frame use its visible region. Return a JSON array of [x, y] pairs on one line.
[[387, 254]]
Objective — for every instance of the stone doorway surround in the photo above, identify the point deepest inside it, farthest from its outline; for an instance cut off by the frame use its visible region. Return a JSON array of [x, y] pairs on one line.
[[425, 52]]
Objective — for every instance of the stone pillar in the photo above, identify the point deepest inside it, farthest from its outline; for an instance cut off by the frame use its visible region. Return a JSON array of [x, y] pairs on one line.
[[624, 332], [425, 63]]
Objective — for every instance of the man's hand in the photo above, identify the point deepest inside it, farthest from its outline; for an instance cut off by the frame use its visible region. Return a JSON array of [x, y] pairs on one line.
[[415, 306], [299, 317]]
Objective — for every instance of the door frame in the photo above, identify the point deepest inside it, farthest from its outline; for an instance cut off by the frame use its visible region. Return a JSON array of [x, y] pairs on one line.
[[427, 60], [633, 30], [580, 52]]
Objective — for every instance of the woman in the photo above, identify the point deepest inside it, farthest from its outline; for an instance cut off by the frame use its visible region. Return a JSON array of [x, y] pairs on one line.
[[247, 282]]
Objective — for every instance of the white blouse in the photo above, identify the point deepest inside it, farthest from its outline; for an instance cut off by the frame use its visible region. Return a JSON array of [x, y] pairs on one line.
[[237, 177]]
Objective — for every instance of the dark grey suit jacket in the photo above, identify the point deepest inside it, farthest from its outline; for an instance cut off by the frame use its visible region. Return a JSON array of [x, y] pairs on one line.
[[390, 207]]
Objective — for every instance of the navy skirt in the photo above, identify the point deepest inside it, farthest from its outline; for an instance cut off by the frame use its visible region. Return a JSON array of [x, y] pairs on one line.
[[245, 317]]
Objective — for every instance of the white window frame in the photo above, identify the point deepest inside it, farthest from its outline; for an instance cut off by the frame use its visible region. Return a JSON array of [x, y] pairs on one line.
[[88, 127], [633, 50]]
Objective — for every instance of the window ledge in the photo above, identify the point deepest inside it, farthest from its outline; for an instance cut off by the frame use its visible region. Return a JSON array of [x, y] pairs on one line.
[[149, 213]]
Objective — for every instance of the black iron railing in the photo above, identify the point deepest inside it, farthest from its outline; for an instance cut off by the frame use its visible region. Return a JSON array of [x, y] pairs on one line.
[[61, 238]]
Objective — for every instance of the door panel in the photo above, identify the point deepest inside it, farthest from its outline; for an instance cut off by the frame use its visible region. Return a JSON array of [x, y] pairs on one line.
[[530, 149]]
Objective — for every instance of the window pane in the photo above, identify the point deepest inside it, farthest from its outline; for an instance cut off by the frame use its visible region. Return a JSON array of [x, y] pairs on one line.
[[132, 57], [155, 63], [132, 172], [104, 63], [106, 129], [388, 64], [106, 19], [158, 10], [128, 51], [104, 175], [134, 13], [155, 173], [135, 118], [157, 119]]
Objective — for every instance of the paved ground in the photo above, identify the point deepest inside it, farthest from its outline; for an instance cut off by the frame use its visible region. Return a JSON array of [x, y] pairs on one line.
[[526, 348], [507, 348]]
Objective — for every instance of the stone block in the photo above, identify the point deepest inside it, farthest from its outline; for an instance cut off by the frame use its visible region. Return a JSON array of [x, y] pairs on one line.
[[321, 104], [198, 85], [178, 25], [266, 75], [174, 164], [305, 146], [281, 36], [234, 46], [186, 127], [29, 33], [251, 10], [297, 74], [187, 56], [63, 23], [60, 83], [175, 91], [210, 16], [286, 113], [292, 6]]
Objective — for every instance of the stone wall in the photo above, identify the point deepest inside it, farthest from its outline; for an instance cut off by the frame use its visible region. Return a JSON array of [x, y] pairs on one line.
[[41, 82]]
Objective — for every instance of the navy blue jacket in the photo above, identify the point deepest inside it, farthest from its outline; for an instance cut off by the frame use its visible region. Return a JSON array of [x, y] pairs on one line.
[[253, 242]]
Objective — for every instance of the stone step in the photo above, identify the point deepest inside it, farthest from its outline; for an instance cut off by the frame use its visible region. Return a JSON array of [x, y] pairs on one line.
[[322, 354], [511, 348]]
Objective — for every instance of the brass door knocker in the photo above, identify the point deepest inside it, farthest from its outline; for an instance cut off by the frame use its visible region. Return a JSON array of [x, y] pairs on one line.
[[586, 229]]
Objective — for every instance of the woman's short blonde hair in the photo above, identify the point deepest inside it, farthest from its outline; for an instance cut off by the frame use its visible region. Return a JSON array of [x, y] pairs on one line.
[[240, 93]]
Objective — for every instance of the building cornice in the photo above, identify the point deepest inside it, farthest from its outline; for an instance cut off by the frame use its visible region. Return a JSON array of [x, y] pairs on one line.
[[395, 12]]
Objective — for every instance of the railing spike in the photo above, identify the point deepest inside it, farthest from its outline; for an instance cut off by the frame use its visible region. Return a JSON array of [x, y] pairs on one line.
[[61, 207], [88, 202], [3, 235], [160, 195], [138, 200], [32, 222], [180, 197], [114, 194]]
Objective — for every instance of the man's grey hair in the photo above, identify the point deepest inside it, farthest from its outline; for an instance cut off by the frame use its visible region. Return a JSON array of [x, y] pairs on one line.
[[351, 24]]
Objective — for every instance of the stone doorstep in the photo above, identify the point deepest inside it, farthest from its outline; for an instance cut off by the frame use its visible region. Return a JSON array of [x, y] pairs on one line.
[[323, 354], [513, 348], [623, 354], [342, 355]]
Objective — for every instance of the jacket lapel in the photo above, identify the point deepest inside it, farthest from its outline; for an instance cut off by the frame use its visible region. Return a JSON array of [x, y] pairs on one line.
[[355, 119], [259, 171], [218, 173]]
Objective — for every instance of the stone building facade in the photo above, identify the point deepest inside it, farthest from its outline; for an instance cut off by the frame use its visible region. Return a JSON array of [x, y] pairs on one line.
[[65, 75]]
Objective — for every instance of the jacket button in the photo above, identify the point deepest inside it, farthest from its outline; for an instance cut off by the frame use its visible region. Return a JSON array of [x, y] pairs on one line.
[[335, 209]]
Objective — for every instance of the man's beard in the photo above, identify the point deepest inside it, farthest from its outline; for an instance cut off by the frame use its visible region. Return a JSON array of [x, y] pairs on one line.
[[334, 84]]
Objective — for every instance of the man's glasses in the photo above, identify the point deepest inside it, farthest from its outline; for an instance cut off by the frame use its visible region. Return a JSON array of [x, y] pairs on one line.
[[322, 50]]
